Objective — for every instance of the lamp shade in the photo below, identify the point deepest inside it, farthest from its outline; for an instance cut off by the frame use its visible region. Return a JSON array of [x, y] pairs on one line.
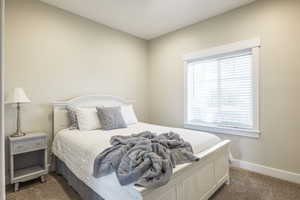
[[17, 96]]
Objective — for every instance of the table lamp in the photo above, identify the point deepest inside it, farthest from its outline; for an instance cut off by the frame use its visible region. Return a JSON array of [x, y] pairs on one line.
[[17, 96]]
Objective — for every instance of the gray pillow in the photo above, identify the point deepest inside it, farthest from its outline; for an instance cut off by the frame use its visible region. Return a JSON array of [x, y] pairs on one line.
[[72, 118], [111, 118]]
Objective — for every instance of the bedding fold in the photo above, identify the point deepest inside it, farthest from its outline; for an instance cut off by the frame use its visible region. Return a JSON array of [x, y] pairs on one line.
[[146, 159]]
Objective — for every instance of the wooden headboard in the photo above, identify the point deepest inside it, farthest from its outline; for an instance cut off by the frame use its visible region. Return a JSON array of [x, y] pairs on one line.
[[60, 114]]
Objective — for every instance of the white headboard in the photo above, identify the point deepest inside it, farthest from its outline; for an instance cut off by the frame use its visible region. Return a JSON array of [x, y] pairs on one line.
[[60, 114]]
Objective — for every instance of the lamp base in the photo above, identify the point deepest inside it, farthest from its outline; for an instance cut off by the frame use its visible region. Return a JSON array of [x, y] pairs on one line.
[[18, 134]]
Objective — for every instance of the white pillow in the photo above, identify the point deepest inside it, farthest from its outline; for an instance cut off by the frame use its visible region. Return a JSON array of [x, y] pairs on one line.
[[87, 119], [128, 114]]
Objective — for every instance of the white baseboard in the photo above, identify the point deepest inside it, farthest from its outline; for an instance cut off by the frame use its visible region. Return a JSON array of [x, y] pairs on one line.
[[268, 171], [261, 169]]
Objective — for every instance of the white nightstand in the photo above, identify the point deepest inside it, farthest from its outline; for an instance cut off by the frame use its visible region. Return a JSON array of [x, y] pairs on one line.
[[28, 158]]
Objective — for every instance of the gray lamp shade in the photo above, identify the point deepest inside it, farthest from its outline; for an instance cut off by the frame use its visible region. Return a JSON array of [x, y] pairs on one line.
[[17, 96]]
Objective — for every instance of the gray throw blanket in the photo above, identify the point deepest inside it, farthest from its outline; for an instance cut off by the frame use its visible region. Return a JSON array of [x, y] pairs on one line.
[[146, 159]]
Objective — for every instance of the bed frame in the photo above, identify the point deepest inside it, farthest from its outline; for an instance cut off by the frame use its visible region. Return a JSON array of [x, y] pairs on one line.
[[195, 181]]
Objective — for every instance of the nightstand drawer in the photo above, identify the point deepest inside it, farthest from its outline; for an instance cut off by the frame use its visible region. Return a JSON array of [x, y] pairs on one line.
[[29, 145]]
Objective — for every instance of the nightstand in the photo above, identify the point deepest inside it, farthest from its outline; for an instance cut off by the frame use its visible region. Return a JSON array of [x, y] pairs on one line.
[[28, 158]]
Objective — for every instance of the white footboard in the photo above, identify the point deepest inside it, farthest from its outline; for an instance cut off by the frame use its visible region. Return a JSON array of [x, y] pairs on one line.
[[196, 181]]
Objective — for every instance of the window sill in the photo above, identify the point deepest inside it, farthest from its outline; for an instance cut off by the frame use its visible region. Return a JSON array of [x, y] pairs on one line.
[[226, 131]]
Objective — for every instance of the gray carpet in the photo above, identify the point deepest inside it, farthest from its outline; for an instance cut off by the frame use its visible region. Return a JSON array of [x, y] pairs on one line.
[[244, 186]]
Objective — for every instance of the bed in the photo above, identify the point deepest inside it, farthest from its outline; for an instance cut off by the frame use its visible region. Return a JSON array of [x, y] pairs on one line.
[[76, 150]]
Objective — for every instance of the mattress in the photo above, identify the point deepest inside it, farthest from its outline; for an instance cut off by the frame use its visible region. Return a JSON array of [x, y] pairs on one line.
[[78, 150]]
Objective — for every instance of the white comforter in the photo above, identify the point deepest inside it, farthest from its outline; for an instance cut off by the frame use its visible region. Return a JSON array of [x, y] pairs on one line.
[[78, 150]]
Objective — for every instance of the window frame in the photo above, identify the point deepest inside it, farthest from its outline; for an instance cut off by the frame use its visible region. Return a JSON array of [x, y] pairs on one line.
[[254, 46]]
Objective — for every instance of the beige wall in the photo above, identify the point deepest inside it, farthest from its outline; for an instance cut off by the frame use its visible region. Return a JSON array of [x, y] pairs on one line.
[[277, 23], [55, 55]]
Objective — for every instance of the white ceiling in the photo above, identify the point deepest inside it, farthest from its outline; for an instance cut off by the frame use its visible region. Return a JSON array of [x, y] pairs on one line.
[[147, 18]]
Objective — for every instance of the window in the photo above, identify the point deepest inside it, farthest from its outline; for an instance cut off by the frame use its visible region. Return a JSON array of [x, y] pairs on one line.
[[222, 90]]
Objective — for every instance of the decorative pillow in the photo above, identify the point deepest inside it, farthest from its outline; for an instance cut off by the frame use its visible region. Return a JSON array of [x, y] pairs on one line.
[[128, 114], [87, 119], [72, 118], [111, 118]]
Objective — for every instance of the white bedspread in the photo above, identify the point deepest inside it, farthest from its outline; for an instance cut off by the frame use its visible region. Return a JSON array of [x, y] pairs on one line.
[[78, 150]]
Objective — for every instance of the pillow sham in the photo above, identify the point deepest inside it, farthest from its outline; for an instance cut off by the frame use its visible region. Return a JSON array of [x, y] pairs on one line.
[[128, 114], [87, 119], [72, 118], [111, 118]]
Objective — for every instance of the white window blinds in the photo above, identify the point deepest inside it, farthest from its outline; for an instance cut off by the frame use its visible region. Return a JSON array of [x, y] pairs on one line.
[[221, 91]]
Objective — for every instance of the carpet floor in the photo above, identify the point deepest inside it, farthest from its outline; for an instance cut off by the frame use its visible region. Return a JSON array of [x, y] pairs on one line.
[[244, 186]]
